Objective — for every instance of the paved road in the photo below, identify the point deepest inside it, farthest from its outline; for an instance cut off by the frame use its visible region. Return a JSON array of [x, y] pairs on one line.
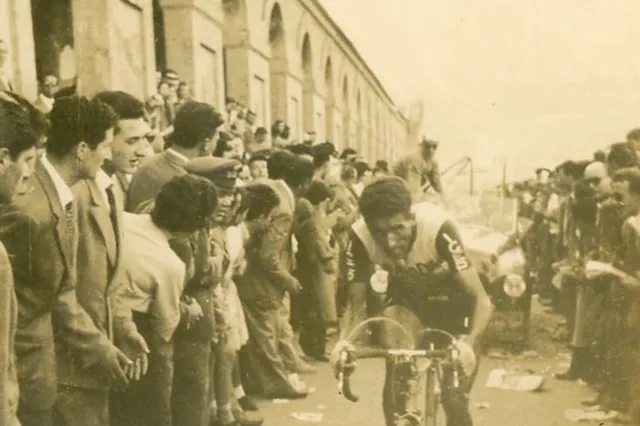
[[506, 408]]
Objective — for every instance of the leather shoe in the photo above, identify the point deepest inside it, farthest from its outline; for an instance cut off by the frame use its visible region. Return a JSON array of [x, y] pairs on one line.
[[243, 419], [290, 394], [248, 404]]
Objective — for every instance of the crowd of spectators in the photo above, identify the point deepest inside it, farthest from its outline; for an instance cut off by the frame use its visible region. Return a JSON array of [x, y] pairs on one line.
[[162, 260], [583, 250]]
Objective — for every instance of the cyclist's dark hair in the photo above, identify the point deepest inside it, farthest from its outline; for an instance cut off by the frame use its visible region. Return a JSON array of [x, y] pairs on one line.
[[385, 198], [185, 204]]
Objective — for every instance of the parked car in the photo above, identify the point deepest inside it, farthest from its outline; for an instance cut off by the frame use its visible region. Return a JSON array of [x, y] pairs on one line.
[[506, 277]]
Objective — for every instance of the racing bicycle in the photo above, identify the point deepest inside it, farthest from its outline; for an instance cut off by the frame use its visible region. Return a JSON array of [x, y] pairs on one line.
[[406, 375]]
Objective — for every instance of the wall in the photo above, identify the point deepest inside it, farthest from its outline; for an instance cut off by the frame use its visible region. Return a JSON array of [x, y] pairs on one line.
[[223, 48]]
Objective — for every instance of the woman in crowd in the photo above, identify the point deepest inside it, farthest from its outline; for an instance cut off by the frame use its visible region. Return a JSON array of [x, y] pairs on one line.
[[229, 146], [315, 270]]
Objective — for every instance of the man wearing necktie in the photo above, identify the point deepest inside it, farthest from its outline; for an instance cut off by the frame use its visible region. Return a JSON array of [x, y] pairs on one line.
[[41, 237], [130, 144], [84, 397]]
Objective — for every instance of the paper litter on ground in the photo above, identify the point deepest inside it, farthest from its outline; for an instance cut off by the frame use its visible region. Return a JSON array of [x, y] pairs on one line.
[[507, 380], [308, 417], [578, 415]]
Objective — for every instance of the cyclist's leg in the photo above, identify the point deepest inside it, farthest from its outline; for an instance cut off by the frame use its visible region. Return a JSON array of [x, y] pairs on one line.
[[398, 395], [455, 401], [387, 396]]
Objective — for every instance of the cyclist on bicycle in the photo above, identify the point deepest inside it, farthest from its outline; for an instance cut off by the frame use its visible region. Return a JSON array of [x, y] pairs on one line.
[[414, 245]]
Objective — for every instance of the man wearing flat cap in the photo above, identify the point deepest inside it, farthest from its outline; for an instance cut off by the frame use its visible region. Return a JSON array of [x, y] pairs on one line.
[[420, 168], [205, 358]]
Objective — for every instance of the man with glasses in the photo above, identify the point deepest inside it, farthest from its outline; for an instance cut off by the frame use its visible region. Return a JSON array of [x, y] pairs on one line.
[[421, 167]]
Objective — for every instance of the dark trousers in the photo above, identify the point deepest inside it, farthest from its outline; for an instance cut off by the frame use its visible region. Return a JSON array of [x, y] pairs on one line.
[[191, 382], [147, 402], [35, 417], [81, 407]]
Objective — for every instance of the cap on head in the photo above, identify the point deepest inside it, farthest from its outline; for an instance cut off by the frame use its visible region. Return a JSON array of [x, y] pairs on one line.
[[223, 172]]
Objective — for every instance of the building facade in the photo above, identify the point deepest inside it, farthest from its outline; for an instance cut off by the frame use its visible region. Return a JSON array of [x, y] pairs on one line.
[[284, 59]]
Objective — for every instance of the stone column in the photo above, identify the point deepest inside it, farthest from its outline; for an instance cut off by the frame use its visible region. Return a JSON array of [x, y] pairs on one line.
[[16, 29], [308, 107], [279, 93], [114, 46], [193, 32]]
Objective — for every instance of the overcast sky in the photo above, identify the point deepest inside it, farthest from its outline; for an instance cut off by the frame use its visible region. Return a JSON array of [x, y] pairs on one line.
[[540, 81]]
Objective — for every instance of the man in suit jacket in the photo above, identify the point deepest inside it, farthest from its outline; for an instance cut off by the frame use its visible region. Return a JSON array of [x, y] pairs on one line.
[[17, 155], [130, 145], [195, 130], [287, 185], [83, 397], [40, 234]]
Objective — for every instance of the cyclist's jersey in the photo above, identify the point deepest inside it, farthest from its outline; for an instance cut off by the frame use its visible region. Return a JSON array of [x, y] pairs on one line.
[[437, 299]]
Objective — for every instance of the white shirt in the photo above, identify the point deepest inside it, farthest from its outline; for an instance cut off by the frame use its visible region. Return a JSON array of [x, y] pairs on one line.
[[292, 198], [104, 182], [358, 188], [47, 101], [154, 275], [64, 192]]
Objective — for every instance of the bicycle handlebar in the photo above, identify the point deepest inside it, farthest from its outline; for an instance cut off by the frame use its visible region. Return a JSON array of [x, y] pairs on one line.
[[347, 362]]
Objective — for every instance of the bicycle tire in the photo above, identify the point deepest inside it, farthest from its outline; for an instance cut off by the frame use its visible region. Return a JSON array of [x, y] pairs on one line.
[[430, 417]]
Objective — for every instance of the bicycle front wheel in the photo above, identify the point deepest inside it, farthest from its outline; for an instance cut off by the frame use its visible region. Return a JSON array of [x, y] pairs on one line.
[[433, 413]]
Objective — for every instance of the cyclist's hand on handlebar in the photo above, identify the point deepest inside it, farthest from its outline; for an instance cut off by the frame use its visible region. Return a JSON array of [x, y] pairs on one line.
[[466, 357], [337, 361]]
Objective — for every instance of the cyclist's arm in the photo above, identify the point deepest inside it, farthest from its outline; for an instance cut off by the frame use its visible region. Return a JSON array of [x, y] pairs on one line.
[[450, 248], [359, 269]]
